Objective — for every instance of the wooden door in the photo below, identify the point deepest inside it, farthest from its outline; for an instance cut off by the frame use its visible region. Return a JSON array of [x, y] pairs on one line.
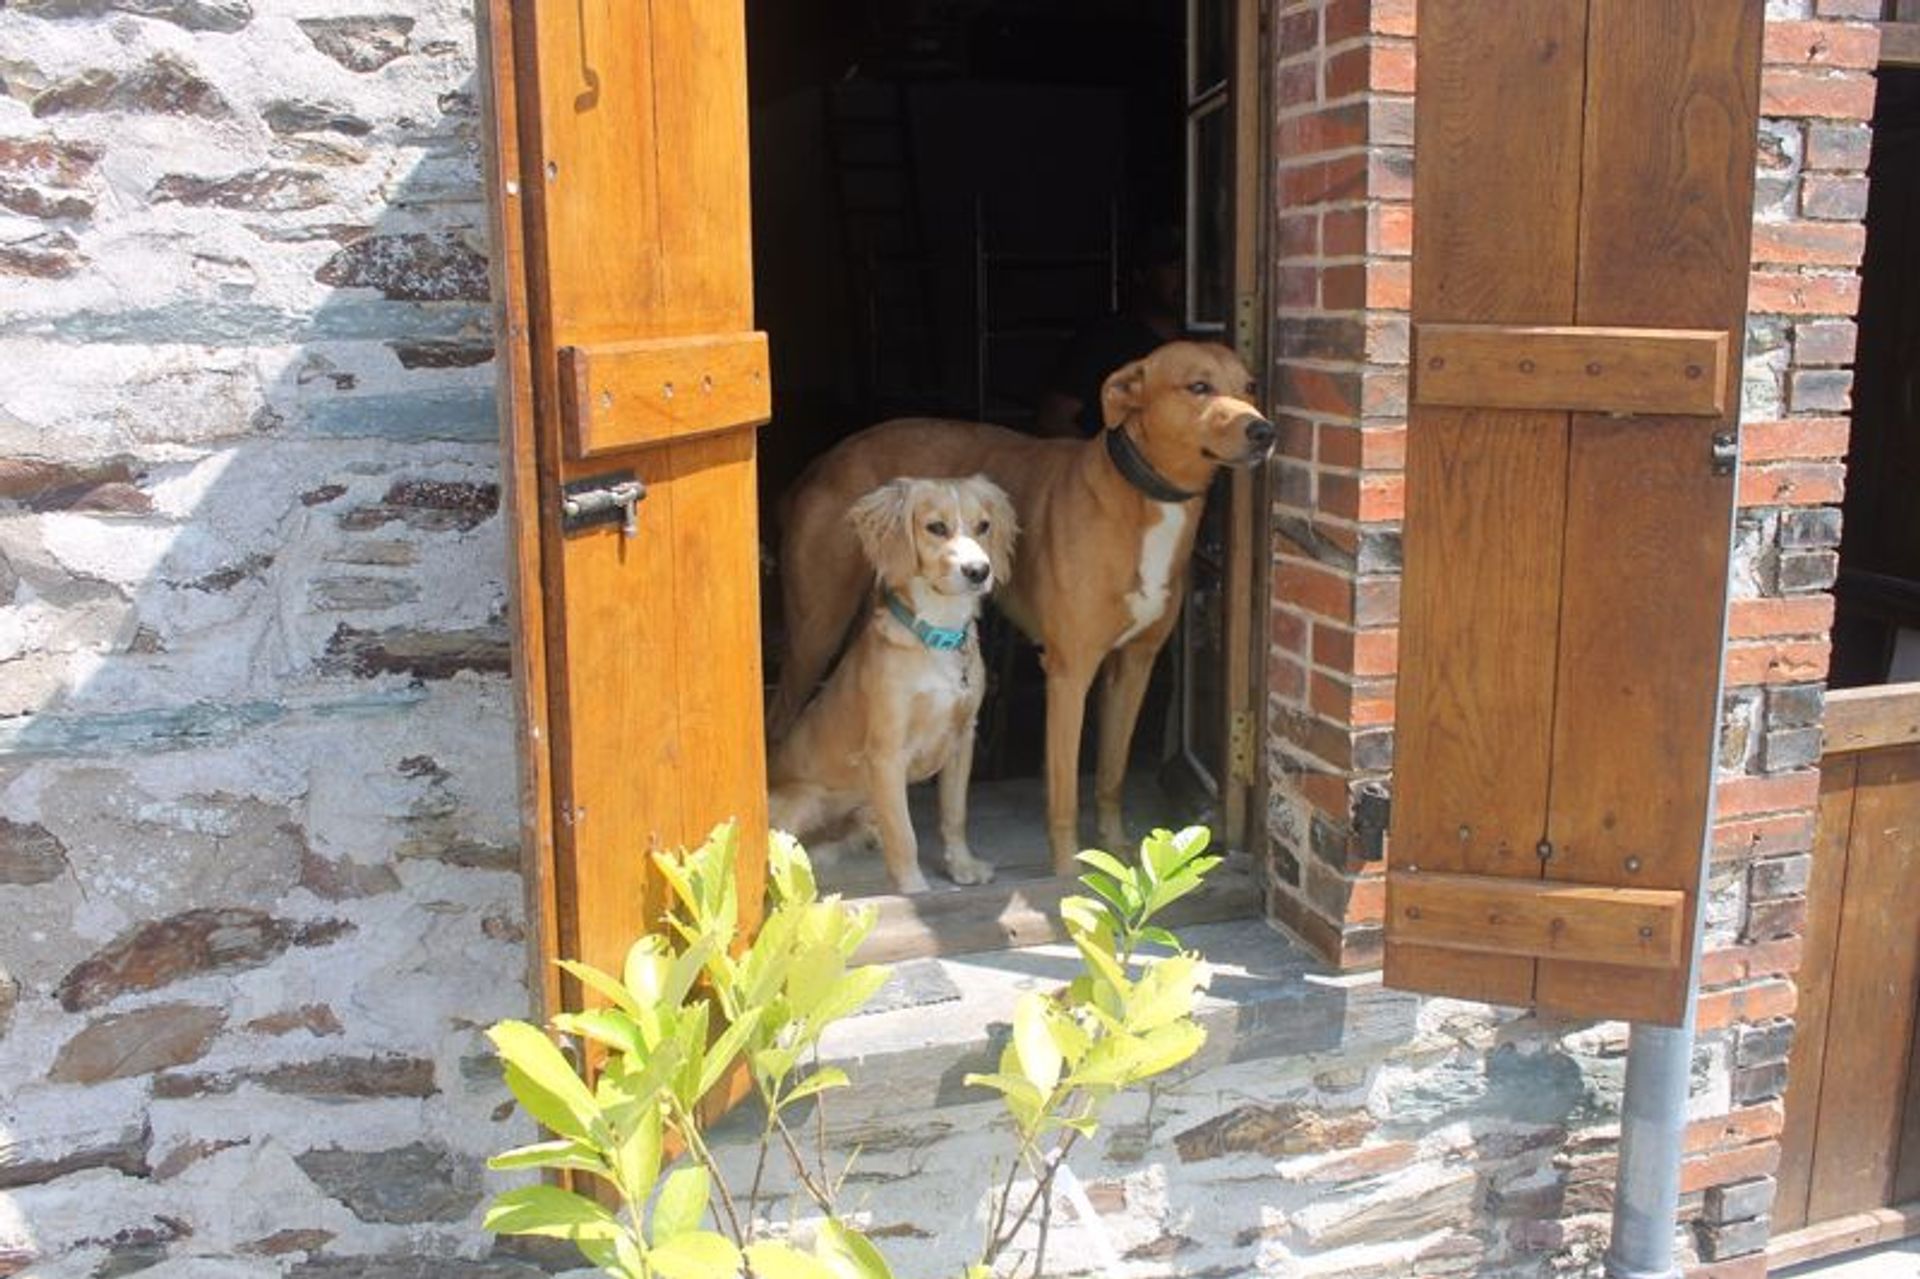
[[622, 270], [1226, 173], [1582, 210], [1851, 1147]]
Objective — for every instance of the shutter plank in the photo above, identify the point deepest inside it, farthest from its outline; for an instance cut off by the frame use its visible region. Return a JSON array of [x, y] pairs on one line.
[[1667, 196], [1596, 369], [1495, 243], [1636, 927]]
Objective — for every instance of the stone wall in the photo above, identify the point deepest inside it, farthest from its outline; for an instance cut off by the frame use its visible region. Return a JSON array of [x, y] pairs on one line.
[[257, 827]]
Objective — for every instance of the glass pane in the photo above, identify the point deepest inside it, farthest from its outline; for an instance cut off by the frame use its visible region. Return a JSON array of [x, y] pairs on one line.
[[1209, 218], [1208, 25]]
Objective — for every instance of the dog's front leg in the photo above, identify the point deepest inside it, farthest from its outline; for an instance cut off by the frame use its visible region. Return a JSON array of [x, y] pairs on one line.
[[887, 793], [962, 865], [1067, 685], [1123, 688]]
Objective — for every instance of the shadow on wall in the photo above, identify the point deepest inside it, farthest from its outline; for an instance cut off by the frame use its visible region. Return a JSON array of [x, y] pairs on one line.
[[257, 802]]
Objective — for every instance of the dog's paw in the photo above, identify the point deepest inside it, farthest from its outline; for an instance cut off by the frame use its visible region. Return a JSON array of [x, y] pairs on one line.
[[968, 869], [912, 883]]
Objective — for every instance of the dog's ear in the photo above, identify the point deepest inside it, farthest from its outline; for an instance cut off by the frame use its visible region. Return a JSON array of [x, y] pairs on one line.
[[1003, 526], [1123, 393], [880, 522]]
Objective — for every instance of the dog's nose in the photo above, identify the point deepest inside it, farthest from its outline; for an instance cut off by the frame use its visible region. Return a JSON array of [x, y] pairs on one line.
[[976, 573], [1259, 432]]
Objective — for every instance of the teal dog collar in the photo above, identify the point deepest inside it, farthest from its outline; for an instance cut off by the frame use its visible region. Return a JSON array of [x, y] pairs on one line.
[[941, 639]]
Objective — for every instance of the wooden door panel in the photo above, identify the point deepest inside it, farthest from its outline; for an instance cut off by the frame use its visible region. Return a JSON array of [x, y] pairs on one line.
[[1807, 1070], [629, 145], [1876, 981], [1583, 190], [1480, 596]]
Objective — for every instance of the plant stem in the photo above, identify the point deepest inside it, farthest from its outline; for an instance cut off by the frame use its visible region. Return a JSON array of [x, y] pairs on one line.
[[1042, 1191], [815, 1191], [697, 1145]]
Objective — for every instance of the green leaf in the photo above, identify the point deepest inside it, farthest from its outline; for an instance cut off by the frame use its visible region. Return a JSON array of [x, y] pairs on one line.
[[1163, 1049], [594, 979], [1160, 936], [682, 1204], [819, 1081], [1165, 993], [636, 1161], [1114, 892], [851, 1253], [1033, 1044], [550, 1154], [773, 1259], [1100, 859], [550, 1211], [721, 1055], [608, 1026], [700, 1254], [542, 1078], [848, 995]]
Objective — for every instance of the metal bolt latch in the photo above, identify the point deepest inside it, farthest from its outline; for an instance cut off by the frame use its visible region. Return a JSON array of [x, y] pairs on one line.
[[1726, 450], [602, 499]]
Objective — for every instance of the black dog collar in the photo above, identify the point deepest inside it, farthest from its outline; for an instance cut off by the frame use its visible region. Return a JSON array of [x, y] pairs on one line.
[[1137, 471]]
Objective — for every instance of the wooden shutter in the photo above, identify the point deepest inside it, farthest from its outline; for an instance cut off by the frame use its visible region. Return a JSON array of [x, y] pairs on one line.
[[623, 272], [1582, 210]]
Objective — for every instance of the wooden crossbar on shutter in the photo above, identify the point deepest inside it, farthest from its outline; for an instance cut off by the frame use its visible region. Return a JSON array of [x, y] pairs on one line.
[[1582, 210], [622, 225]]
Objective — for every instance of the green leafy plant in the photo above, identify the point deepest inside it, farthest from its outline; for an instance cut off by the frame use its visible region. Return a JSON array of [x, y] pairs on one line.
[[697, 1001]]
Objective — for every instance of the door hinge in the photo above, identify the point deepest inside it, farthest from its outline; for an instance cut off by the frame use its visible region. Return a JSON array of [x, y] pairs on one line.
[[1246, 324], [1726, 451], [607, 498], [1240, 748]]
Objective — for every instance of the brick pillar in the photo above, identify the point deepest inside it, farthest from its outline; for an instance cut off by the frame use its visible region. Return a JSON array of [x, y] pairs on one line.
[[1343, 184]]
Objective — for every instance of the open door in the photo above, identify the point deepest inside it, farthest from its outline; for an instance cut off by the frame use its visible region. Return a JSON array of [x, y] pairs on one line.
[[632, 383], [1224, 178]]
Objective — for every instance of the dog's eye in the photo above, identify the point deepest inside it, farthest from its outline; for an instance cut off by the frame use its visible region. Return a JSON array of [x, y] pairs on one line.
[[982, 527], [939, 528], [1200, 388]]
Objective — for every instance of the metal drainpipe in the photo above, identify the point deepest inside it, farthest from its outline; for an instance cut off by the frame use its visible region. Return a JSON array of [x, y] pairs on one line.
[[1653, 1109]]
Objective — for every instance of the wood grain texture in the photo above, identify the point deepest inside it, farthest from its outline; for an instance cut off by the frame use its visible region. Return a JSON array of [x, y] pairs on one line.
[[1666, 218], [1860, 719], [1495, 242], [1601, 370], [1900, 44], [1876, 981], [624, 395], [633, 167], [1843, 1234], [1635, 927], [1806, 1068], [520, 497]]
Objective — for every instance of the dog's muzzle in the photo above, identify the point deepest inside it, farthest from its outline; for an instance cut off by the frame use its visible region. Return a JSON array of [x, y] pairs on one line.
[[976, 574]]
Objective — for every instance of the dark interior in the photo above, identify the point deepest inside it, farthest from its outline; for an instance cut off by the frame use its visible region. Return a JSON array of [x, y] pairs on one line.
[[944, 191], [1876, 633]]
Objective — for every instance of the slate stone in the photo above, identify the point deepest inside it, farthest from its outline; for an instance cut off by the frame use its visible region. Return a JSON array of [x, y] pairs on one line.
[[29, 853], [289, 117], [180, 946], [414, 266], [360, 43], [329, 1079], [914, 984], [404, 1185], [339, 879], [353, 594], [1742, 1201], [194, 15], [413, 1268], [163, 86], [441, 355], [137, 1043], [46, 178], [282, 1242], [1274, 1131], [425, 655], [27, 1159], [9, 1000], [428, 506], [255, 190]]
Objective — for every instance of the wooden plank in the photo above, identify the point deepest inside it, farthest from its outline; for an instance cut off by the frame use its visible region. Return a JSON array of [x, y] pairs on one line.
[[1027, 913], [1666, 217], [1599, 370], [1876, 980], [1900, 44], [622, 395], [1906, 1155], [1862, 719], [1495, 241], [1806, 1068], [1636, 927], [1843, 1234], [520, 497]]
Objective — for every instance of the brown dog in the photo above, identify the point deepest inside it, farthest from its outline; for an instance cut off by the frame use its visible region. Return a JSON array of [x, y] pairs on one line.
[[901, 705], [1107, 528]]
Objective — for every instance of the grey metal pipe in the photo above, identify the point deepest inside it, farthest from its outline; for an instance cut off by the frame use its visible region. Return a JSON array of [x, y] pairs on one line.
[[1653, 1121]]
